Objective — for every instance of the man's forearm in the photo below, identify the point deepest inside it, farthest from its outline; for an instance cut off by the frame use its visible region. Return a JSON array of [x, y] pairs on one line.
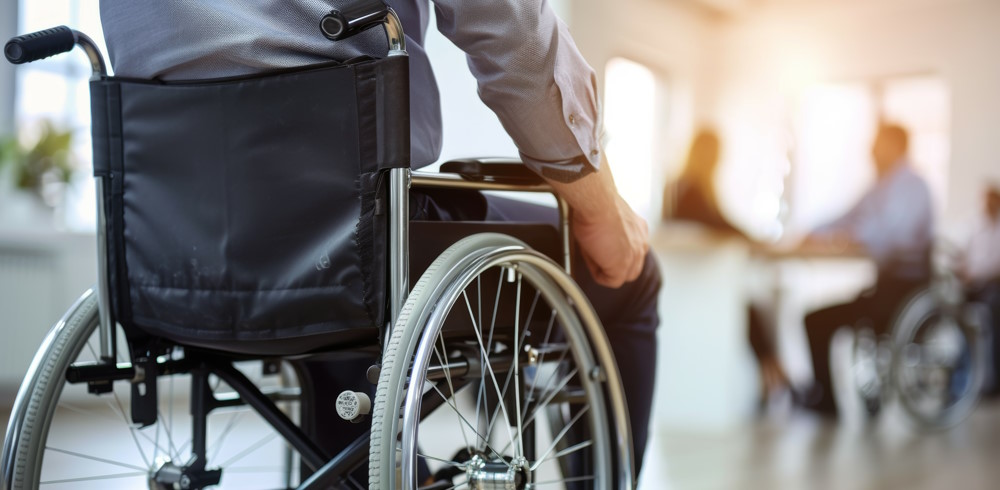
[[613, 239], [591, 197]]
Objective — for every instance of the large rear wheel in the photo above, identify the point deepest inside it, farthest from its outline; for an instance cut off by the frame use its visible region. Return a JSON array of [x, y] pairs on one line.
[[62, 436], [498, 375]]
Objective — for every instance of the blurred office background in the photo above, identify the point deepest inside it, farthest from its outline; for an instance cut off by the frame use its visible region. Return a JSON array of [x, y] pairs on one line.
[[795, 90]]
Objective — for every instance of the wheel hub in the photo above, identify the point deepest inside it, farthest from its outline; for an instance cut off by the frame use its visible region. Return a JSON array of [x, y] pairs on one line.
[[169, 476], [497, 475]]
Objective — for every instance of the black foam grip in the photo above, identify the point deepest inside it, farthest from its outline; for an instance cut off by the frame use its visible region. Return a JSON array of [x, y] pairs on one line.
[[38, 45], [356, 17]]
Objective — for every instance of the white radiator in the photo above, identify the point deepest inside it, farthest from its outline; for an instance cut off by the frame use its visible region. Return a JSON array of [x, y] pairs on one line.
[[41, 274]]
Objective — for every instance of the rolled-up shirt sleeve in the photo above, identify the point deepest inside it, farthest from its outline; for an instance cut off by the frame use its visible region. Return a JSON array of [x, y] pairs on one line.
[[531, 74]]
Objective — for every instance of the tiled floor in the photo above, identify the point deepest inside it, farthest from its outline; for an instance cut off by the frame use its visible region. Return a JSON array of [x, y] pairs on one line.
[[797, 451]]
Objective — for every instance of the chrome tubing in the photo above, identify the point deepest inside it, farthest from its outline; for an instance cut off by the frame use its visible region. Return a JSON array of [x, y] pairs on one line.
[[399, 239], [394, 34], [108, 339], [451, 181], [564, 233], [98, 67]]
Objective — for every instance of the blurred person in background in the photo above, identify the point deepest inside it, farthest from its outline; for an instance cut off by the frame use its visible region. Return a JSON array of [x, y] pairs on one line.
[[980, 272], [892, 224], [692, 198]]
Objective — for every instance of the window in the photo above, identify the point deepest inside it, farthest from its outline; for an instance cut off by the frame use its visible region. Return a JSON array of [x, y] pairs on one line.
[[630, 120], [56, 90]]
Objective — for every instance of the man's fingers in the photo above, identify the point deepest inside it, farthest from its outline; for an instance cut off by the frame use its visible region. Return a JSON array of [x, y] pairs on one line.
[[602, 276], [636, 269], [614, 277]]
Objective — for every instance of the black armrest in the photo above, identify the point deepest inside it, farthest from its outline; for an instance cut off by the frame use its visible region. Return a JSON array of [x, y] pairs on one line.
[[502, 170]]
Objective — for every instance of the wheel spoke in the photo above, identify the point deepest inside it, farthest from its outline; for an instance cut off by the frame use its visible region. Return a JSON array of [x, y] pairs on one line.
[[461, 466], [552, 394], [481, 391], [566, 452], [562, 433], [541, 359], [447, 376], [516, 370], [168, 429], [95, 458], [132, 430], [116, 418], [93, 478], [564, 480], [545, 402], [250, 449], [489, 370], [217, 446], [489, 345], [451, 404]]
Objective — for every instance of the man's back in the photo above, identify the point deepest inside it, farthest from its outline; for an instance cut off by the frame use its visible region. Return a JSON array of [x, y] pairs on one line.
[[529, 70]]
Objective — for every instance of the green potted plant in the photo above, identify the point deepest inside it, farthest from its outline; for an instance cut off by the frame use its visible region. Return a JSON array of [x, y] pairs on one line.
[[43, 168]]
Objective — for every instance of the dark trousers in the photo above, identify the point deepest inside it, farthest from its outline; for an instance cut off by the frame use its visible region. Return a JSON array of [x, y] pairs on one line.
[[989, 295], [874, 308], [629, 315]]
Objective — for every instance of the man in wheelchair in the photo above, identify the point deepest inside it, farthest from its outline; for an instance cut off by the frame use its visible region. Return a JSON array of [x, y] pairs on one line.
[[980, 271], [169, 56], [893, 224]]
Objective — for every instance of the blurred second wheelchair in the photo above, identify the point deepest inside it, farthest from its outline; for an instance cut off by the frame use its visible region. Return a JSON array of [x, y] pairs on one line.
[[933, 358]]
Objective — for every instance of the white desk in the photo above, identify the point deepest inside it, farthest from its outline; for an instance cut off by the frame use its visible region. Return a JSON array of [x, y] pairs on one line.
[[706, 377]]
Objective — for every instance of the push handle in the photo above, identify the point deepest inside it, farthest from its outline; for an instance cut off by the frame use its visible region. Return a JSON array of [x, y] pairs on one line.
[[39, 45], [354, 18]]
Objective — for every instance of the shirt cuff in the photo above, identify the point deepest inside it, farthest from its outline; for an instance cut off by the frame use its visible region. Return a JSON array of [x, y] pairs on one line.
[[565, 171]]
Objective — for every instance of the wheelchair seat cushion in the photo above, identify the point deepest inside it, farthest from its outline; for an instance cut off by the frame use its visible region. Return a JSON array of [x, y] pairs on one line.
[[242, 214]]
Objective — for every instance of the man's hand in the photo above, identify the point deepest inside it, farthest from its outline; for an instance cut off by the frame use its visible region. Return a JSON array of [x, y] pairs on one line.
[[613, 239], [613, 244]]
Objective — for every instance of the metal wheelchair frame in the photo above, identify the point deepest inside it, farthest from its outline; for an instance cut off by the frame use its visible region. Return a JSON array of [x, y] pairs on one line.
[[99, 376]]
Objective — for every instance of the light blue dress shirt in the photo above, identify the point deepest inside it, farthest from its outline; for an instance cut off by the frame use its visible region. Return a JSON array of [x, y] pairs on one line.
[[894, 221], [529, 71]]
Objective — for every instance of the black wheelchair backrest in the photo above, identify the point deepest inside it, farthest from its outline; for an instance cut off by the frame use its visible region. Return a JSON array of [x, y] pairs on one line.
[[243, 213]]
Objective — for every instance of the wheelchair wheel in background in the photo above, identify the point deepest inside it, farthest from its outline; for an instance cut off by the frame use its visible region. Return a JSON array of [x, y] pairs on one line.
[[60, 436], [937, 365], [498, 375], [868, 370]]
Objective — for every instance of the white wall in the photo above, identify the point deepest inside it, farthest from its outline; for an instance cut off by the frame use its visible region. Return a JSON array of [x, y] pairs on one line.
[[470, 128], [672, 38]]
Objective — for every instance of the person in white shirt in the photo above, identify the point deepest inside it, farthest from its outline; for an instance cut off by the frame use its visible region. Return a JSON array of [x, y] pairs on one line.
[[982, 256], [980, 271]]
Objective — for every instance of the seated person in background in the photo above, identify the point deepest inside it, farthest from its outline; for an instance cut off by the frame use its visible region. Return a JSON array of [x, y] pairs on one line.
[[692, 198], [981, 271], [893, 224]]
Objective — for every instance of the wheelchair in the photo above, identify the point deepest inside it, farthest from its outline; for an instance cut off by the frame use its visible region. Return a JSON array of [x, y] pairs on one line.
[[933, 360], [248, 225]]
